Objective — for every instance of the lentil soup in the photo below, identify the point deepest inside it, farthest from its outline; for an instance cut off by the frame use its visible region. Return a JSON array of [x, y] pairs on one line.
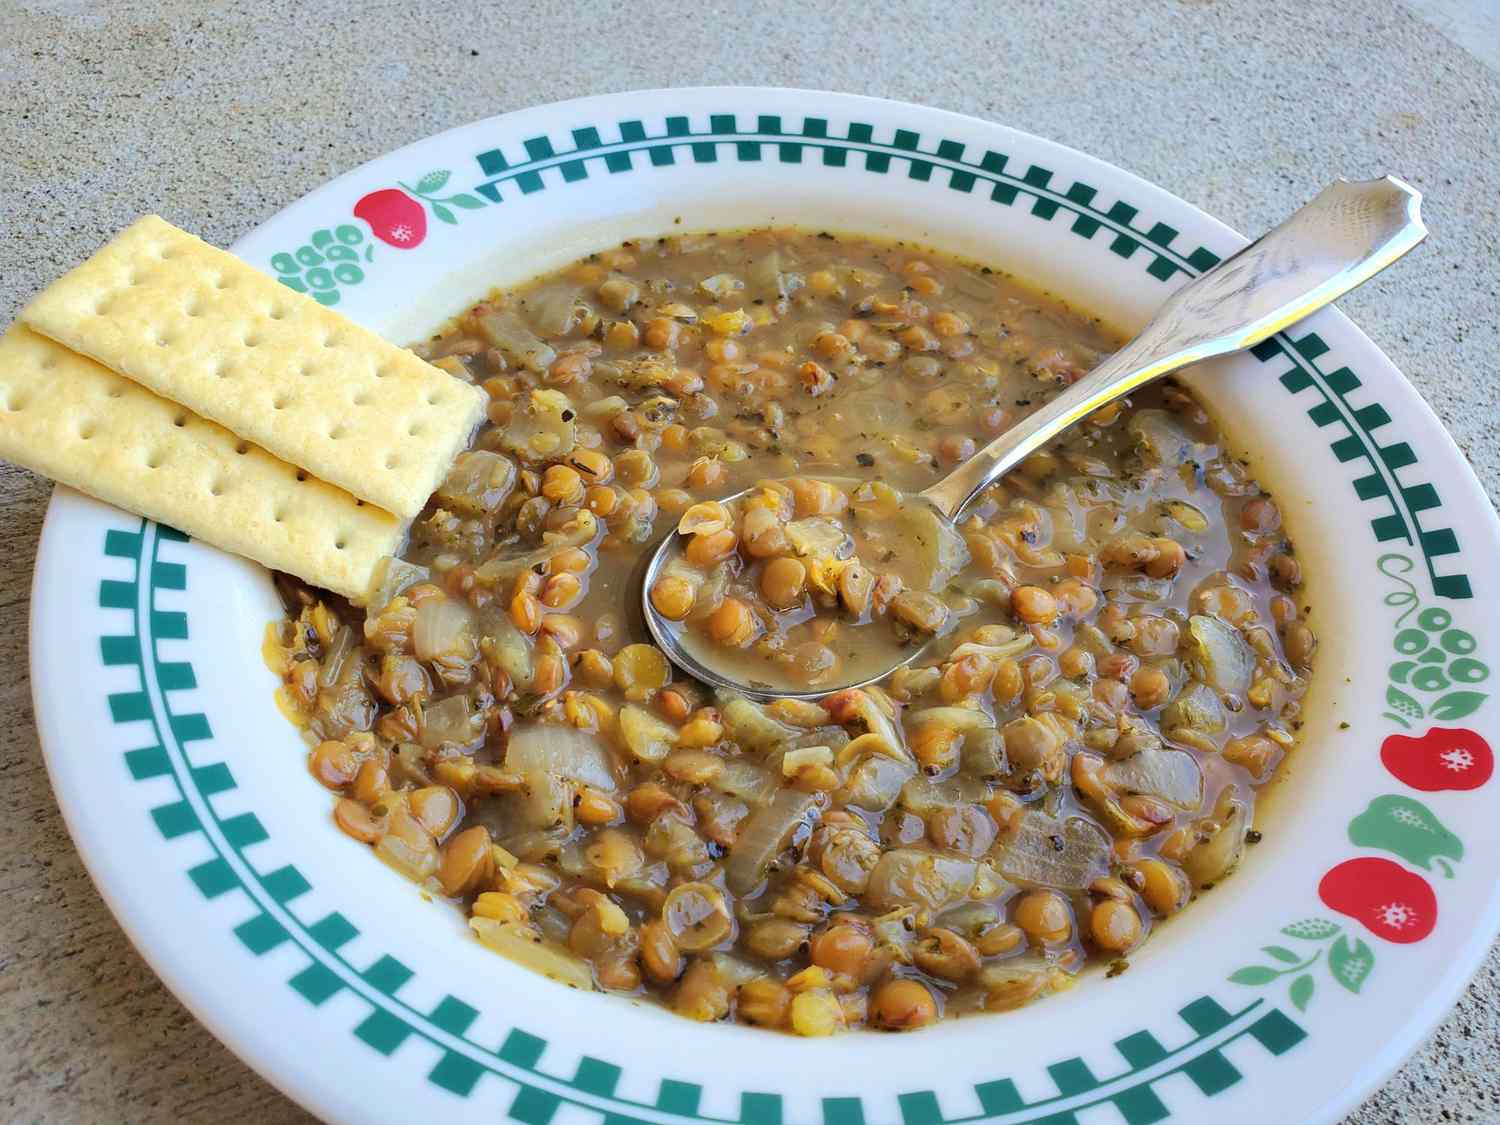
[[1115, 660]]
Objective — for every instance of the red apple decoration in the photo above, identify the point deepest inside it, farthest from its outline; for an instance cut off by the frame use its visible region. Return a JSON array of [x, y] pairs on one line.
[[395, 217], [1391, 902], [1443, 758]]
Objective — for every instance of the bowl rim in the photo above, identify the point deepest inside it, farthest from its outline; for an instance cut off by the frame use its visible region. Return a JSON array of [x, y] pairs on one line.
[[55, 542]]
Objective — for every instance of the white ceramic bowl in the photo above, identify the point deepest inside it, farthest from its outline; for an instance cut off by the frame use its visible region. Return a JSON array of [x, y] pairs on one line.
[[1286, 994]]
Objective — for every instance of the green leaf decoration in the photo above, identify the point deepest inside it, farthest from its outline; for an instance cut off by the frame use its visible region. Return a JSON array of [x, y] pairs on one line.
[[322, 238], [1253, 975], [1311, 929], [1401, 670], [433, 181], [1407, 828], [293, 283], [348, 273], [285, 263], [1457, 704], [341, 254], [1302, 991], [349, 235], [369, 253], [308, 256], [1350, 964], [1281, 953], [467, 202], [1402, 703], [326, 296], [443, 213]]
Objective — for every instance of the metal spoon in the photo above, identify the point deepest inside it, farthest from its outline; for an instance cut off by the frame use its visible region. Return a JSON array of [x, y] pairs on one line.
[[1346, 235]]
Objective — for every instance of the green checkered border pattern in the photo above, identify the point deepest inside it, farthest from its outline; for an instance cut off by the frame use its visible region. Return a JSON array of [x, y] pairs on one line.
[[1359, 441], [517, 1063], [1010, 183]]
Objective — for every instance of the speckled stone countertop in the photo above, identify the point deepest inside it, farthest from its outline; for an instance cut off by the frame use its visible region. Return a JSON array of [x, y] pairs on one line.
[[218, 115]]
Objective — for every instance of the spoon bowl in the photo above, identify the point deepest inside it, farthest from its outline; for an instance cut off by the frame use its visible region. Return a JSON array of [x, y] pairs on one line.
[[669, 635]]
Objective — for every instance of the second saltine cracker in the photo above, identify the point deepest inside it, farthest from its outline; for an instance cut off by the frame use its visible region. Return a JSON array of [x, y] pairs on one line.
[[198, 326], [83, 425]]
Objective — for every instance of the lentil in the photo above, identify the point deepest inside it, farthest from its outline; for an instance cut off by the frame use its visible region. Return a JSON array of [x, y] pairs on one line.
[[497, 732]]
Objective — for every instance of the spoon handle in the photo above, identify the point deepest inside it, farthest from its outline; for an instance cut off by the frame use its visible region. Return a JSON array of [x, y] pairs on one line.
[[1343, 237]]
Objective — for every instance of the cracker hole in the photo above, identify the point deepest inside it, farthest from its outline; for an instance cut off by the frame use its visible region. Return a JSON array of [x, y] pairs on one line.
[[154, 460], [340, 543], [382, 371], [163, 340], [361, 399], [49, 363], [414, 430], [16, 403], [277, 312], [180, 421], [193, 308], [279, 402], [337, 433], [301, 475], [279, 515], [305, 370], [331, 341], [216, 489], [86, 431], [101, 307], [392, 461], [243, 448], [221, 283], [359, 503], [117, 392], [434, 399], [251, 341]]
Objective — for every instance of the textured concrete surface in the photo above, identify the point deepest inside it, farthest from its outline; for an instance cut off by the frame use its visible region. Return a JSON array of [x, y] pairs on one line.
[[1473, 24], [218, 115]]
